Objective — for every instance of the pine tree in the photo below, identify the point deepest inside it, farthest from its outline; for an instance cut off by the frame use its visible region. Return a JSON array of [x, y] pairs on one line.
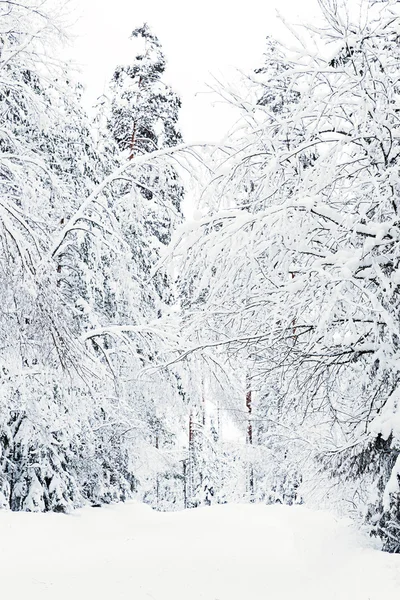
[[144, 118], [137, 117], [145, 110]]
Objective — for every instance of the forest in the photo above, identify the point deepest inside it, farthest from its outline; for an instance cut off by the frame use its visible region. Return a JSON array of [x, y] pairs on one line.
[[197, 324]]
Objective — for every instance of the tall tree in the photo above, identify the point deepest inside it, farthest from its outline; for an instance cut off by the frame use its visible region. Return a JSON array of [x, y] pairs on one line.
[[136, 120], [300, 248], [40, 350], [144, 118]]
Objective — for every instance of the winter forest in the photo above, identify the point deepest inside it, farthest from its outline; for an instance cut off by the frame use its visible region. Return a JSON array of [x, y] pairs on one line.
[[187, 325]]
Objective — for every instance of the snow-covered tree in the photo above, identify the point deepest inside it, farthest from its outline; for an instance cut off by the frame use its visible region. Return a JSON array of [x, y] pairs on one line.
[[39, 346], [137, 126], [143, 118], [297, 248], [66, 409]]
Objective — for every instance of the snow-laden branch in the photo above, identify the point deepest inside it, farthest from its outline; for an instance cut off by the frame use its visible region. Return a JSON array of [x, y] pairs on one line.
[[136, 161]]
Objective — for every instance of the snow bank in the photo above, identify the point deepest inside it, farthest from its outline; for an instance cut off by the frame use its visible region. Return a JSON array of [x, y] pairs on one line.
[[231, 552]]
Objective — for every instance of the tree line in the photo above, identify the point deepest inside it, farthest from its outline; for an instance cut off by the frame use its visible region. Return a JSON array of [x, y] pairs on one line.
[[247, 353]]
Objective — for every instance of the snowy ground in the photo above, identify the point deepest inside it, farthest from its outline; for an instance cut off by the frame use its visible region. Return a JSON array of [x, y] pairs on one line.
[[233, 552]]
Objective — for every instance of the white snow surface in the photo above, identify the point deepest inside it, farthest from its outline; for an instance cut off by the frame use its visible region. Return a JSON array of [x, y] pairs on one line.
[[230, 552]]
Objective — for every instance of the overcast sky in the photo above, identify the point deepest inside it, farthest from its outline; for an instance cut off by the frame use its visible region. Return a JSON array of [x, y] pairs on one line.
[[199, 39]]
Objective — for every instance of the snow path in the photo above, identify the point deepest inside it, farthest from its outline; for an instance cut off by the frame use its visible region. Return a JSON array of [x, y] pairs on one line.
[[231, 552]]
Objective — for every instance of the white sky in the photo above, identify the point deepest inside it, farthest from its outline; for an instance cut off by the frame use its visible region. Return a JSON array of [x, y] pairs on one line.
[[198, 38]]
